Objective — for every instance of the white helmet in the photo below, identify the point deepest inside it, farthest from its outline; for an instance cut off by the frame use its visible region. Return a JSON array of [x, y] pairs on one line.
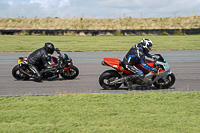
[[147, 44]]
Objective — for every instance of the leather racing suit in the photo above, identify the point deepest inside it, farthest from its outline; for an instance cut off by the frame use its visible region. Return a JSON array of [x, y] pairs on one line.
[[136, 55], [38, 59]]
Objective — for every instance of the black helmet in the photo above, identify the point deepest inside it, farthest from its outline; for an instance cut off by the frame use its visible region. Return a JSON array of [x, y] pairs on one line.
[[49, 47], [147, 44]]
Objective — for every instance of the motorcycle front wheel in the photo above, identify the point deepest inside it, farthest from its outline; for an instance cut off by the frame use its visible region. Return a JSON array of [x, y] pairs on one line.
[[107, 77], [71, 73], [160, 84]]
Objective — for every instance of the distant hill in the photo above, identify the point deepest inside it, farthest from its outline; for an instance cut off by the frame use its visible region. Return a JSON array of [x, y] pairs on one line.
[[189, 22]]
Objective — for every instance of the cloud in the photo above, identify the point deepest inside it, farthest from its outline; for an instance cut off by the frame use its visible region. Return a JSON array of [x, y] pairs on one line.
[[120, 3], [48, 4], [100, 8]]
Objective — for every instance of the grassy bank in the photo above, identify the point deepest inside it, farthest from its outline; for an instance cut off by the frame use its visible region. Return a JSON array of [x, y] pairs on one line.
[[97, 43], [152, 112], [100, 24]]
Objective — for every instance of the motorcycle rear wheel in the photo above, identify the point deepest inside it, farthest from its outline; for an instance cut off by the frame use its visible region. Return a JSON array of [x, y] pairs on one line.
[[72, 73], [161, 85], [107, 77], [16, 73]]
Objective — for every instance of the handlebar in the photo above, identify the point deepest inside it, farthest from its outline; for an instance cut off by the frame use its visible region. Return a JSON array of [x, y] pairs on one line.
[[60, 57], [155, 57], [56, 49], [58, 52]]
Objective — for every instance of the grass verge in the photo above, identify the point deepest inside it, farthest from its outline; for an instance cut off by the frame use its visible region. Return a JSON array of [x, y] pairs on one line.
[[152, 112], [96, 43]]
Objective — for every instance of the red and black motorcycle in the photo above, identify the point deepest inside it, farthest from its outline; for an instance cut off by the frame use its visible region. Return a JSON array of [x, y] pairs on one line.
[[113, 79], [64, 67]]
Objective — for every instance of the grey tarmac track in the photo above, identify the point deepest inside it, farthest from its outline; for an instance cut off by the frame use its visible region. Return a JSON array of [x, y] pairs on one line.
[[184, 64]]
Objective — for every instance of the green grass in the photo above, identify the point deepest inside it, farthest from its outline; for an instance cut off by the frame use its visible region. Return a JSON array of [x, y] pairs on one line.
[[152, 112], [96, 43]]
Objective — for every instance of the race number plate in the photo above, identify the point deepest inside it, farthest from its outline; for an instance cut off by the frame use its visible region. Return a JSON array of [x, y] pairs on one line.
[[19, 61]]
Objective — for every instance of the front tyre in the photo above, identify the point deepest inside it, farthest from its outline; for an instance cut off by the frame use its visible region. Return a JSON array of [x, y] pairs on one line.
[[71, 73], [160, 84], [107, 77]]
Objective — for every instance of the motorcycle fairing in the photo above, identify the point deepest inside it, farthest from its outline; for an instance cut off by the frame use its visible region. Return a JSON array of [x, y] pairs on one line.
[[114, 62], [52, 60], [150, 78], [23, 60], [163, 73]]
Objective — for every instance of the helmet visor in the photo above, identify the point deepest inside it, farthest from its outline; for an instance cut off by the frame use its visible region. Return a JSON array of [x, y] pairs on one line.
[[149, 47]]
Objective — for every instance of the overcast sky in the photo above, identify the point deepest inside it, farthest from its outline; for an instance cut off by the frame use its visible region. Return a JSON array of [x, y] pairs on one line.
[[98, 8]]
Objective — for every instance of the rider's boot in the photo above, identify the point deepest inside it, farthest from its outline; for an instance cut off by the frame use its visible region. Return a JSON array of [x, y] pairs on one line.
[[129, 79], [36, 73], [37, 79]]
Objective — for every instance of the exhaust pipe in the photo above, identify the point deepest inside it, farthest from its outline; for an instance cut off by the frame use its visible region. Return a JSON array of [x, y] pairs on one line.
[[104, 63], [26, 73], [121, 80]]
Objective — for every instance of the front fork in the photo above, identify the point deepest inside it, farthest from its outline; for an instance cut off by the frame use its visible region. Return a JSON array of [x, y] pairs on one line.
[[164, 78]]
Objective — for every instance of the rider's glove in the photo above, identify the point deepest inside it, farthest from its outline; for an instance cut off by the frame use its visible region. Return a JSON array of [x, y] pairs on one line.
[[155, 69], [154, 58], [57, 50]]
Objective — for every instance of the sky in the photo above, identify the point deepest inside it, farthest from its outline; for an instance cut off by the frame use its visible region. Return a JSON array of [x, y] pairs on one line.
[[98, 8]]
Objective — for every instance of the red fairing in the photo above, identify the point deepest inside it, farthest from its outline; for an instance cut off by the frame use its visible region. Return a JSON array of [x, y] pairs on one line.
[[114, 62], [69, 59]]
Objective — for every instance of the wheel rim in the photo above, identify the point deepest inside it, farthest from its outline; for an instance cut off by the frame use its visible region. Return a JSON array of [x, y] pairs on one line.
[[70, 72], [163, 83], [18, 74]]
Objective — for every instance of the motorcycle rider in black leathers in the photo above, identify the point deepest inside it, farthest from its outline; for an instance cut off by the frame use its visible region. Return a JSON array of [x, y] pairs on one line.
[[39, 58], [137, 55]]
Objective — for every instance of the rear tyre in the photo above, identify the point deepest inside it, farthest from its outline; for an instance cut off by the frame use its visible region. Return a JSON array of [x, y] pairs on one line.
[[16, 73], [71, 73], [160, 84], [107, 77]]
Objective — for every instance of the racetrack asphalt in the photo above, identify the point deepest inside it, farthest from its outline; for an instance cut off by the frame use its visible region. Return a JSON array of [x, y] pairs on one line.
[[184, 64]]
